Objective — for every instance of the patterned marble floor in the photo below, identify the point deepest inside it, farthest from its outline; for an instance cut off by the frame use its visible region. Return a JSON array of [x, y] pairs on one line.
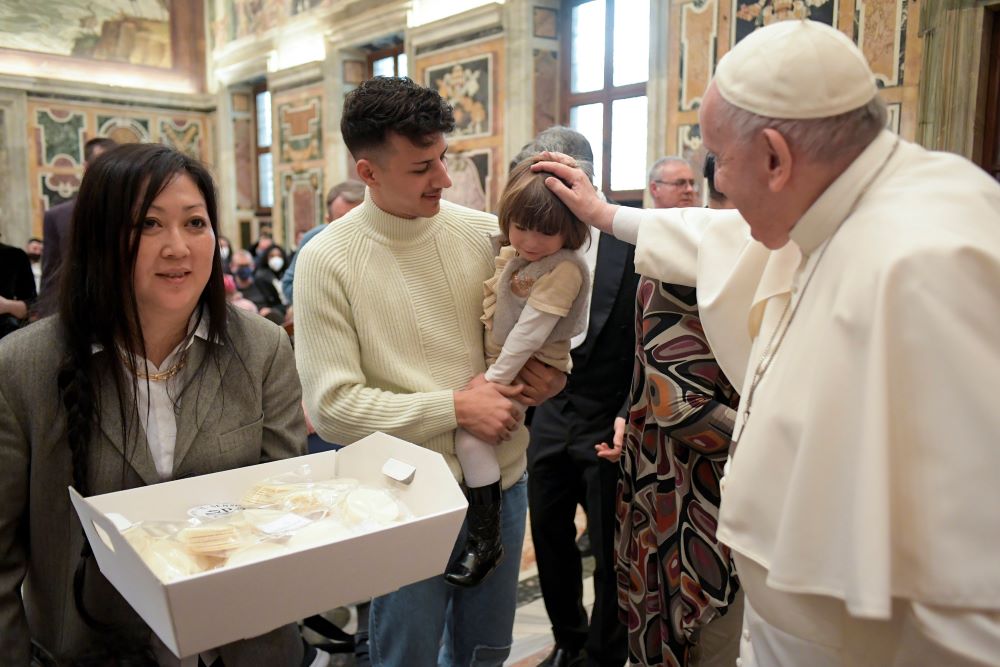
[[532, 632]]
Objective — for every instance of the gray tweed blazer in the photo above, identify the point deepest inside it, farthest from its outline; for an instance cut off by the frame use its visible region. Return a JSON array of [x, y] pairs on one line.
[[242, 408]]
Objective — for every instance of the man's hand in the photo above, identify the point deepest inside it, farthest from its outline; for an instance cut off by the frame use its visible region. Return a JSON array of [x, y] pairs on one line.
[[486, 411], [614, 452], [19, 309], [541, 382], [477, 381], [574, 188]]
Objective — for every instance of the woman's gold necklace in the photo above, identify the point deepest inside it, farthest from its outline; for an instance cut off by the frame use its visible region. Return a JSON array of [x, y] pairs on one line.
[[161, 376]]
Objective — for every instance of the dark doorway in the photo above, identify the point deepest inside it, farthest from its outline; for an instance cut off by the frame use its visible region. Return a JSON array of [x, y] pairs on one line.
[[991, 134]]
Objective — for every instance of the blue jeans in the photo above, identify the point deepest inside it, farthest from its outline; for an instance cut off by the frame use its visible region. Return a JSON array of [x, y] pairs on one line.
[[433, 623]]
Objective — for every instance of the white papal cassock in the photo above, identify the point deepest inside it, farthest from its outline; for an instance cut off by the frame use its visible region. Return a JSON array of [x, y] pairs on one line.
[[862, 502]]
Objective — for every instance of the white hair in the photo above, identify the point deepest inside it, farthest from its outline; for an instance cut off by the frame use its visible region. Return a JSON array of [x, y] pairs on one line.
[[654, 171], [817, 139]]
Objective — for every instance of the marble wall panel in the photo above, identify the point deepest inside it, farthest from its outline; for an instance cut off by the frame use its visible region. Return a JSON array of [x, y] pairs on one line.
[[545, 22], [546, 84], [880, 32], [59, 134], [299, 172], [699, 34], [302, 199], [182, 134], [243, 154], [59, 129], [300, 130]]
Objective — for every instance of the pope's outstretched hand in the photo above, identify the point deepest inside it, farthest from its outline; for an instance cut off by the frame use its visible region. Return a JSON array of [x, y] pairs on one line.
[[574, 188]]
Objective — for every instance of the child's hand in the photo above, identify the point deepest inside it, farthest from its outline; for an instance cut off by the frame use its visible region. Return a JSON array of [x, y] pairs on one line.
[[615, 452], [540, 381]]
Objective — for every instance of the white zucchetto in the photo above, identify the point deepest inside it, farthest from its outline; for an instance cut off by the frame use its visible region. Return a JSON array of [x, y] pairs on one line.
[[795, 70]]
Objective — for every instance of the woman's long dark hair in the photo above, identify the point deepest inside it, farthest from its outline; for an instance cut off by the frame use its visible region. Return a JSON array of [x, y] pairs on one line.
[[97, 300]]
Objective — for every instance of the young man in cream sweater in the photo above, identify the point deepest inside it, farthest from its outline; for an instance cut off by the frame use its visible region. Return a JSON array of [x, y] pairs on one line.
[[388, 338]]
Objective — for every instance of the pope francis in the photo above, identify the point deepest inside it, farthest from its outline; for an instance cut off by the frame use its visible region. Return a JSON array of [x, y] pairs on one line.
[[855, 298]]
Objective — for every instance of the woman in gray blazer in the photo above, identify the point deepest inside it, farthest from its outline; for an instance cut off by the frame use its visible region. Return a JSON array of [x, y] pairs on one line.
[[144, 375]]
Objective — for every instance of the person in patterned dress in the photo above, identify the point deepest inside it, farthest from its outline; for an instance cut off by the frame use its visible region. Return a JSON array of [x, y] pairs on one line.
[[674, 577], [678, 590]]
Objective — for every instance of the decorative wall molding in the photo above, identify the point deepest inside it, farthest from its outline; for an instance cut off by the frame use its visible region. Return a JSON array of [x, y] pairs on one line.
[[479, 23], [91, 92], [363, 27], [296, 77]]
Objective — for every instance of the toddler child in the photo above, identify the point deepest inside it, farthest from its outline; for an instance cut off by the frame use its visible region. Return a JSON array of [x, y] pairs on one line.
[[534, 304]]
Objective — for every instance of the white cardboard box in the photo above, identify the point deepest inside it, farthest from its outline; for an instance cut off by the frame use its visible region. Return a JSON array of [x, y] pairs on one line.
[[210, 609]]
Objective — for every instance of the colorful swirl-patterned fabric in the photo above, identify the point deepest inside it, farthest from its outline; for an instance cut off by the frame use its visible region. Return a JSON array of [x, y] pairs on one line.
[[673, 576]]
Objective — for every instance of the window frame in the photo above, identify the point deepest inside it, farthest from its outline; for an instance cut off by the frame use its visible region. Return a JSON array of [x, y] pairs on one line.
[[394, 51], [261, 211], [606, 96]]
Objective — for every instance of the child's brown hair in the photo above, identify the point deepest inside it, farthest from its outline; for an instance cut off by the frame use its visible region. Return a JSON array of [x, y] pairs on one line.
[[527, 202]]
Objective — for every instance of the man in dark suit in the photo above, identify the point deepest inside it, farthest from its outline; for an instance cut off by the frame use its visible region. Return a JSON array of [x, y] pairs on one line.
[[56, 231], [564, 469], [17, 288]]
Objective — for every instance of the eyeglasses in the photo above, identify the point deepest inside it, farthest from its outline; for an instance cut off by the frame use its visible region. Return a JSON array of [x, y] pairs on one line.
[[677, 183]]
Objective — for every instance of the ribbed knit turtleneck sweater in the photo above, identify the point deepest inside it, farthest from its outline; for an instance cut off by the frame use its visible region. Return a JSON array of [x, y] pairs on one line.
[[387, 326]]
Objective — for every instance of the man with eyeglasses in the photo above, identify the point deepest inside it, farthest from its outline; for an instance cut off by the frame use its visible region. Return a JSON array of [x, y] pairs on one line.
[[671, 183]]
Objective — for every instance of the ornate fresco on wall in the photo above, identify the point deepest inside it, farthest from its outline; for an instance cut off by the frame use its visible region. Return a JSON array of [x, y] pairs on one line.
[[466, 84], [234, 19], [880, 31], [705, 30], [470, 179], [752, 14], [58, 130], [468, 74], [129, 31]]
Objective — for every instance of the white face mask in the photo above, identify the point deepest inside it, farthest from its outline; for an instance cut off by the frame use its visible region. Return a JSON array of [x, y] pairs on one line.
[[224, 252], [275, 263]]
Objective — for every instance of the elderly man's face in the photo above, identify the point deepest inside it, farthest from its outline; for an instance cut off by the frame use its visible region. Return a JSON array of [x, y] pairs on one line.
[[741, 171], [339, 207], [673, 186]]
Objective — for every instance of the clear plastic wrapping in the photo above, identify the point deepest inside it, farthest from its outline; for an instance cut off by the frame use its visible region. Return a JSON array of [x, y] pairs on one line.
[[276, 516]]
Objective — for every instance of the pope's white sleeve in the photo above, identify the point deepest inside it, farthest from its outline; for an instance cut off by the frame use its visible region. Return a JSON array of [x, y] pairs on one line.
[[933, 635], [526, 338], [667, 240], [625, 225]]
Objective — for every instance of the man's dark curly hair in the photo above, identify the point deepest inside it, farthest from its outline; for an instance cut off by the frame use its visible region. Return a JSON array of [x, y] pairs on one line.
[[396, 104]]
